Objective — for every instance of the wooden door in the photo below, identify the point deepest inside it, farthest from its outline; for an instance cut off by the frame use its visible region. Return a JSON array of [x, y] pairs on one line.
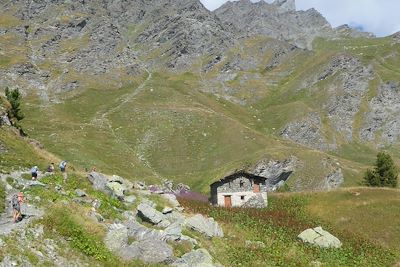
[[228, 202], [256, 187]]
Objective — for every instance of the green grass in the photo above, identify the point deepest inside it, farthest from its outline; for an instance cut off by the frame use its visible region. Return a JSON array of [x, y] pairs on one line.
[[85, 236], [369, 212], [278, 226]]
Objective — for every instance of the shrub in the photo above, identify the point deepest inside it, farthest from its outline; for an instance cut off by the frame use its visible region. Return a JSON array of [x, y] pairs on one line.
[[384, 173]]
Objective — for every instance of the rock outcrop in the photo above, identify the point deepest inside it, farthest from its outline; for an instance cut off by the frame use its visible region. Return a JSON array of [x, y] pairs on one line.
[[308, 132], [284, 23], [276, 172], [383, 116]]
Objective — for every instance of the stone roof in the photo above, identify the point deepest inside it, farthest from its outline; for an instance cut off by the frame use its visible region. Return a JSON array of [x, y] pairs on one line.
[[238, 172]]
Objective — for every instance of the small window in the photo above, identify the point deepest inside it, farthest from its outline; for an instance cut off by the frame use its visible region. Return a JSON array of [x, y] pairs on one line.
[[241, 197], [241, 184]]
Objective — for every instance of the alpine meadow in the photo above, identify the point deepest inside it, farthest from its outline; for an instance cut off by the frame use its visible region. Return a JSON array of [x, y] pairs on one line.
[[255, 134]]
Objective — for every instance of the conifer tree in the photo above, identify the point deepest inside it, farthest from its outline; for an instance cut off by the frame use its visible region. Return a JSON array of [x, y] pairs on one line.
[[384, 173], [14, 97]]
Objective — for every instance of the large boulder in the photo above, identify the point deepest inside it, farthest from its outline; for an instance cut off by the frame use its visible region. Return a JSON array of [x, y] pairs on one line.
[[99, 182], [256, 201], [116, 238], [320, 237], [111, 185], [150, 249], [196, 258], [149, 214], [206, 226]]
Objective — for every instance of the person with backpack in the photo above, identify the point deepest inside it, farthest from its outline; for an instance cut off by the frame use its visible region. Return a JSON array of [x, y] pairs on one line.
[[50, 169], [16, 201], [34, 172], [63, 166]]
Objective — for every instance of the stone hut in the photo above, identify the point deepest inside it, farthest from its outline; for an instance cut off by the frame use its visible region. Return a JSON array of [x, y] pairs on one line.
[[240, 189]]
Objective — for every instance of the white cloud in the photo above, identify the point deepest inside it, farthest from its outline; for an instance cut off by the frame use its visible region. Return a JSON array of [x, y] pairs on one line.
[[378, 16]]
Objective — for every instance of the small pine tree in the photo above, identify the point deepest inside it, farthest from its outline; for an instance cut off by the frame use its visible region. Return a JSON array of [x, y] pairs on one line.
[[384, 173], [14, 97]]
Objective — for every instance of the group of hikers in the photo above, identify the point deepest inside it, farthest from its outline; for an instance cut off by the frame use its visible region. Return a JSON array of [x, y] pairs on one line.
[[50, 169], [18, 199]]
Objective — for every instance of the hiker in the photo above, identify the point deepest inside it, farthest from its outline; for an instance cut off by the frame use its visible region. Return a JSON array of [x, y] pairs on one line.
[[63, 166], [16, 204], [51, 168], [34, 172]]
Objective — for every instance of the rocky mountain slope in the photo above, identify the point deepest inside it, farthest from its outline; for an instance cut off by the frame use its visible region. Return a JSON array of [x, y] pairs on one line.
[[170, 89]]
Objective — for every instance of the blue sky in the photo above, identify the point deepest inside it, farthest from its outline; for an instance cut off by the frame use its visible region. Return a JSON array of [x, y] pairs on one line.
[[382, 17]]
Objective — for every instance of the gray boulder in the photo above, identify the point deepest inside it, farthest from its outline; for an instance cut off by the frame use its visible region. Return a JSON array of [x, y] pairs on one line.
[[320, 237], [149, 250], [257, 202], [206, 226], [149, 214], [196, 258], [99, 181], [117, 237], [153, 251]]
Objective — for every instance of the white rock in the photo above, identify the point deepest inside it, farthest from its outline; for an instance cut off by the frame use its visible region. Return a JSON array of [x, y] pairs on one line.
[[320, 237]]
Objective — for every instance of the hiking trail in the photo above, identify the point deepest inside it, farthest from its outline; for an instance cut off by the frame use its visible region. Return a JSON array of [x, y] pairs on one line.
[[28, 211]]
